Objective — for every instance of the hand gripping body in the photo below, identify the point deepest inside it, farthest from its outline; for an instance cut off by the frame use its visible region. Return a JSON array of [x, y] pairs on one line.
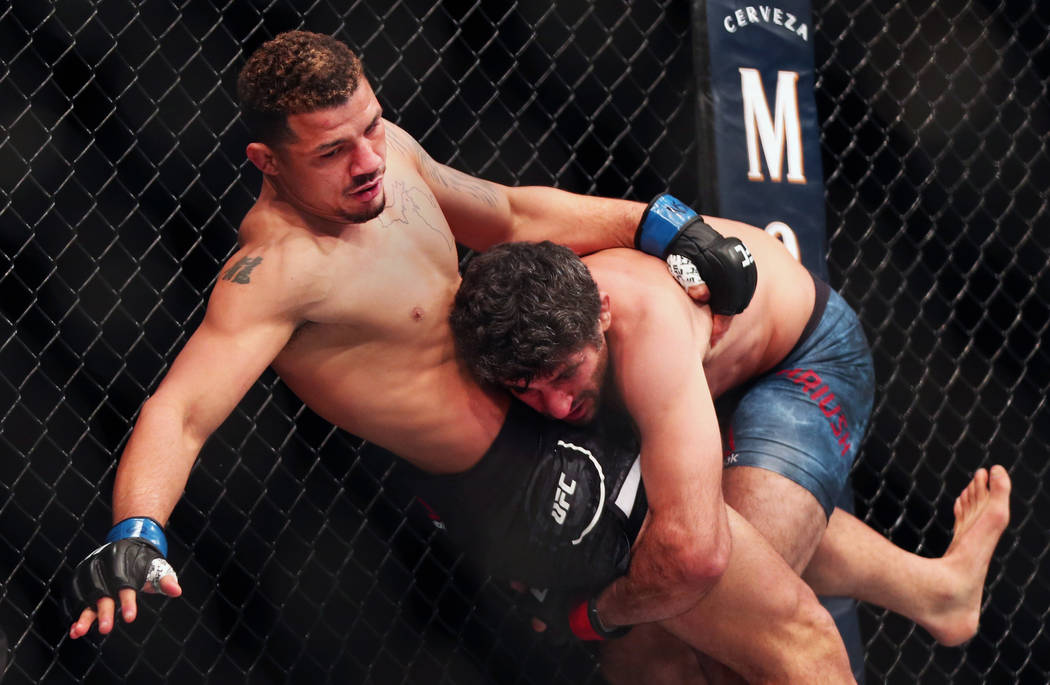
[[565, 617], [671, 230], [133, 555]]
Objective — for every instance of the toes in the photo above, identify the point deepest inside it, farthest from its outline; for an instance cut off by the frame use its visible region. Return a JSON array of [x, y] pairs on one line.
[[1000, 480]]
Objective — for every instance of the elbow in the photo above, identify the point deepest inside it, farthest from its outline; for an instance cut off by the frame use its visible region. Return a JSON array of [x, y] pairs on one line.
[[713, 562], [701, 565], [161, 417]]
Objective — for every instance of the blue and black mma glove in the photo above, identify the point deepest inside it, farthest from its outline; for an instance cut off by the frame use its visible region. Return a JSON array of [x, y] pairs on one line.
[[134, 554], [672, 231]]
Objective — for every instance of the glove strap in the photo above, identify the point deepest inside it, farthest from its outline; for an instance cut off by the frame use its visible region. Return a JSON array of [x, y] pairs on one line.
[[585, 624], [140, 527], [662, 221]]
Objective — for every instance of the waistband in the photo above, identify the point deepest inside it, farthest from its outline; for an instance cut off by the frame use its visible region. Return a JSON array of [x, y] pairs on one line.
[[823, 292]]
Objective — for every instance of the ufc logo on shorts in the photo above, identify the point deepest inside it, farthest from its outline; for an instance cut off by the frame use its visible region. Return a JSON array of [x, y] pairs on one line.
[[746, 253], [561, 504]]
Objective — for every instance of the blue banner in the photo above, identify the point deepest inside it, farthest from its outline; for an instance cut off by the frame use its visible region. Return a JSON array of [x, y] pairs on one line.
[[766, 135]]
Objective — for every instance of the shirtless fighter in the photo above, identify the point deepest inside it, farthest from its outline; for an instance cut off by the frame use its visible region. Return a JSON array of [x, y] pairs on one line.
[[531, 318], [343, 282]]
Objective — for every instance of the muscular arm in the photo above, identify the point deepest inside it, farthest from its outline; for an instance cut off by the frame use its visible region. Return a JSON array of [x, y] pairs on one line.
[[482, 214], [211, 374], [656, 347], [251, 315]]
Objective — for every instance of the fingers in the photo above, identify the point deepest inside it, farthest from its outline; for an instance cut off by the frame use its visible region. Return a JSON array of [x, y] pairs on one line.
[[83, 624], [106, 605], [106, 608], [128, 605], [701, 293], [538, 625]]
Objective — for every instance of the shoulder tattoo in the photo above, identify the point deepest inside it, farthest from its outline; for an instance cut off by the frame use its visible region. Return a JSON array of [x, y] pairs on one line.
[[241, 271], [477, 188], [445, 176]]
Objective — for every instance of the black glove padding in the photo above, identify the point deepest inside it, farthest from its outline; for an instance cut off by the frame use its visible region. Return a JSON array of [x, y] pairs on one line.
[[668, 227], [109, 569], [725, 264]]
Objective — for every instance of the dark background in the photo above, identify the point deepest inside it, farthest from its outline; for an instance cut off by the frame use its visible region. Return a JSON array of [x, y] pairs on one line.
[[122, 179]]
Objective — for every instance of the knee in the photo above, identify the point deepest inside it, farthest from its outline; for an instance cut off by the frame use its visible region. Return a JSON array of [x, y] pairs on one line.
[[649, 655], [818, 643]]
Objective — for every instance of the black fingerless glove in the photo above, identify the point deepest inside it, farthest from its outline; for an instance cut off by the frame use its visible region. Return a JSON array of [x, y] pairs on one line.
[[124, 561], [668, 227]]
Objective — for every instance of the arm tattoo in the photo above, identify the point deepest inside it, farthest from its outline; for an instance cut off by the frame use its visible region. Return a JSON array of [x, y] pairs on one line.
[[480, 190], [241, 271], [448, 177]]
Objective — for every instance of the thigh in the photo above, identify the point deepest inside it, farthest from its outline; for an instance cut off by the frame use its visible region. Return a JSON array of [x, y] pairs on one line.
[[787, 515], [761, 620], [649, 654]]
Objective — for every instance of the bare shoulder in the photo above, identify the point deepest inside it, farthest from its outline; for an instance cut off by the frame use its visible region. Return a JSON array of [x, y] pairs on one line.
[[640, 287], [279, 277], [407, 148], [628, 273]]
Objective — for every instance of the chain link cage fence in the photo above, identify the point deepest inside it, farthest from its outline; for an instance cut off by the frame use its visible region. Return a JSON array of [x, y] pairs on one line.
[[302, 556]]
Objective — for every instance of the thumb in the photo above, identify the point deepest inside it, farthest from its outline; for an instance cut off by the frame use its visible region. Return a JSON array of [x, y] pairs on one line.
[[701, 293], [169, 585]]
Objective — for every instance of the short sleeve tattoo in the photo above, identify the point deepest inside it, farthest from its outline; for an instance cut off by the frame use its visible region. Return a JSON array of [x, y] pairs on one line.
[[242, 270]]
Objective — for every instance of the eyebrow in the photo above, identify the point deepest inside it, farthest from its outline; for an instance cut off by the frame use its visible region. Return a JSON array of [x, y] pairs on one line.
[[568, 371], [324, 147]]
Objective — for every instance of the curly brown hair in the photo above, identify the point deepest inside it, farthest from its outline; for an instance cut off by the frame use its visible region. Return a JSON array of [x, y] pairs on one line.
[[295, 72], [522, 310]]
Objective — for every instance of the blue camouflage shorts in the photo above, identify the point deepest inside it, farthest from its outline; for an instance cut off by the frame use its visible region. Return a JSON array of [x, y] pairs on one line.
[[805, 418]]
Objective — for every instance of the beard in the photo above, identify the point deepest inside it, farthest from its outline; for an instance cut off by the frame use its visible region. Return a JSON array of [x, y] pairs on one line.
[[368, 213], [602, 390]]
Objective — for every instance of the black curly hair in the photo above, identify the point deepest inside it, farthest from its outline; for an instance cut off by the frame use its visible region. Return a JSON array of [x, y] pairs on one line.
[[294, 73], [522, 310]]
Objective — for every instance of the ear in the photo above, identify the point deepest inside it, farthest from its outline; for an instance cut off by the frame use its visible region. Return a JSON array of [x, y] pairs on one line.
[[263, 157], [605, 313]]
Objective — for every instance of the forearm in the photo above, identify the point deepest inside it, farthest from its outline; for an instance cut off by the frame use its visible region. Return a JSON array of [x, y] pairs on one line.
[[584, 223], [762, 621], [155, 465], [672, 568]]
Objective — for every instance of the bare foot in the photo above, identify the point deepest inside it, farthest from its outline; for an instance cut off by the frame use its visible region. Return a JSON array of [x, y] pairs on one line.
[[982, 512]]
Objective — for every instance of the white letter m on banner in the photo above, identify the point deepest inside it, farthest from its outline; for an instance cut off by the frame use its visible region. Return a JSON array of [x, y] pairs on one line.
[[779, 132]]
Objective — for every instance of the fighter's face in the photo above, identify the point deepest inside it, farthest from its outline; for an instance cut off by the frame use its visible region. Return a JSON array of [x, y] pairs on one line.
[[334, 167], [572, 393]]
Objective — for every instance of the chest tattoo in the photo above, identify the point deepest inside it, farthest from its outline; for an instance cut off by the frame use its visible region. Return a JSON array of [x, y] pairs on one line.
[[242, 270], [406, 207]]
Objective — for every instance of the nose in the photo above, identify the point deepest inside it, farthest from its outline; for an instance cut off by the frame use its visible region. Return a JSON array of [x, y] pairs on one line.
[[558, 403], [366, 160]]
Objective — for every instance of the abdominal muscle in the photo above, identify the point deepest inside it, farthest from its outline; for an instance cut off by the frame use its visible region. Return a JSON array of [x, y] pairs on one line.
[[413, 400]]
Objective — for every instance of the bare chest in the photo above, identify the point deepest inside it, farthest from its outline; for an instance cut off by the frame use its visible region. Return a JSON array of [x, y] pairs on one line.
[[397, 274]]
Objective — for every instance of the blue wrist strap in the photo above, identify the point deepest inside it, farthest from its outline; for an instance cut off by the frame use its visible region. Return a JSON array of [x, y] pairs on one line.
[[140, 527], [664, 217]]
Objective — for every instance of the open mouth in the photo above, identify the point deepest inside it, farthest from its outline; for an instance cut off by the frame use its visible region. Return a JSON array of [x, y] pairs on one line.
[[369, 191]]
